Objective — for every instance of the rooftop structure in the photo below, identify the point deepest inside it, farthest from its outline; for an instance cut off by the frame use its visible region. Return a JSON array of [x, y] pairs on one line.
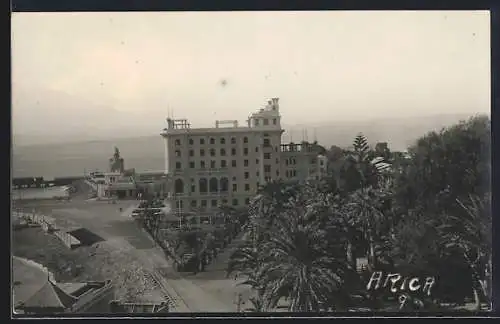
[[36, 292]]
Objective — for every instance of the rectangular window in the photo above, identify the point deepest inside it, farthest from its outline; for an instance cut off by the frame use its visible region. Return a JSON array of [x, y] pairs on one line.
[[214, 203], [267, 168], [178, 165], [191, 153], [202, 141], [235, 202], [191, 165], [267, 156], [177, 142], [245, 163], [247, 187], [245, 151], [178, 153], [202, 164], [203, 203], [233, 163], [275, 121], [256, 149], [193, 203], [212, 164], [233, 151], [247, 175], [257, 173], [193, 188], [223, 164], [247, 201], [267, 142], [235, 187], [257, 161]]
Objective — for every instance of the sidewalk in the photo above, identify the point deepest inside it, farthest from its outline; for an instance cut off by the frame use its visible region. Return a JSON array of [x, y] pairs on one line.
[[187, 295]]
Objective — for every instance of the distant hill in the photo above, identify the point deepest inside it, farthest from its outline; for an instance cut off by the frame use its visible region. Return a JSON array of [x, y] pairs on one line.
[[147, 152], [398, 132]]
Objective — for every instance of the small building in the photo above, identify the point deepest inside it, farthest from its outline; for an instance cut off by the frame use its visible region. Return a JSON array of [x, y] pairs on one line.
[[36, 292], [123, 187]]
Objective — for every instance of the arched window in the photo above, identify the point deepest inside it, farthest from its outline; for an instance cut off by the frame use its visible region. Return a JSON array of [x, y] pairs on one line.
[[212, 141], [224, 184], [179, 186], [203, 185], [212, 152], [245, 139], [233, 140], [214, 185], [191, 142], [222, 140]]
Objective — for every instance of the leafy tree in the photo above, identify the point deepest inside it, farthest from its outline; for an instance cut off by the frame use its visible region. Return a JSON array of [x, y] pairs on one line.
[[441, 226]]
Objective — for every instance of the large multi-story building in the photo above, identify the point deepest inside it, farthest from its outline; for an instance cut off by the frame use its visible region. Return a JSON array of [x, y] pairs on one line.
[[226, 164]]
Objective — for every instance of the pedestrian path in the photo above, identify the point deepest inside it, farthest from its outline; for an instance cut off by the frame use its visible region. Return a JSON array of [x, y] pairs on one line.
[[221, 261]]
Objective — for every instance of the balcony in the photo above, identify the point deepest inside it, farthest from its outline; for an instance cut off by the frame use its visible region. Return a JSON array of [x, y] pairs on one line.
[[212, 171], [199, 194], [207, 171]]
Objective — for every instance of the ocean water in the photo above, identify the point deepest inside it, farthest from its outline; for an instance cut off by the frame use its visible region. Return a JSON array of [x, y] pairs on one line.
[[74, 159]]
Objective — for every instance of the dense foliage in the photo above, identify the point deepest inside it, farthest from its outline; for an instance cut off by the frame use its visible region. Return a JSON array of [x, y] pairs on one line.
[[420, 212]]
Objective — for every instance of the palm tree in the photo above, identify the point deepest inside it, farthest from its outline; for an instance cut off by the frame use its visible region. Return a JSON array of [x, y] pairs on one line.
[[257, 304], [365, 212], [299, 264], [244, 260], [471, 234]]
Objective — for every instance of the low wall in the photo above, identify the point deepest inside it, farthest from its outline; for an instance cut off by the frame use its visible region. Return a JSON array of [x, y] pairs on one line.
[[69, 240], [48, 225], [91, 184]]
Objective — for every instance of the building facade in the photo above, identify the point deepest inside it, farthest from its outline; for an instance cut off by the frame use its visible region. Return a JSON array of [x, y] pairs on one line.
[[302, 162], [226, 164]]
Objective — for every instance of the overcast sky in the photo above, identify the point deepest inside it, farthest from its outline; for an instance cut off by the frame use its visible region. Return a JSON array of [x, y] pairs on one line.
[[323, 65]]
